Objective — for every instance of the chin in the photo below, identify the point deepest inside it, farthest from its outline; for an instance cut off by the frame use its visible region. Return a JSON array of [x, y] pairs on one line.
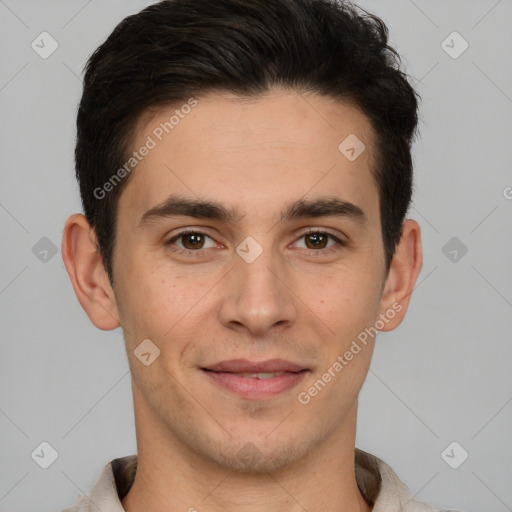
[[259, 457]]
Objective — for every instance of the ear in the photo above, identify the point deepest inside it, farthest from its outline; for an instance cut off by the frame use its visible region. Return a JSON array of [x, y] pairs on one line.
[[90, 281], [403, 272]]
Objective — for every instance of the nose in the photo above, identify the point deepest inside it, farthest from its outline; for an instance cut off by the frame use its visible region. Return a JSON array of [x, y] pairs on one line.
[[259, 295]]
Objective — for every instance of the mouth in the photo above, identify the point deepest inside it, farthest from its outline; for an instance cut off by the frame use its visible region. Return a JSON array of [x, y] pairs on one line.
[[256, 380]]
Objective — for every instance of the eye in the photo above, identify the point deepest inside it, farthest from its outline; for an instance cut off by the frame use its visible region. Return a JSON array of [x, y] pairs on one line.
[[317, 240], [191, 241]]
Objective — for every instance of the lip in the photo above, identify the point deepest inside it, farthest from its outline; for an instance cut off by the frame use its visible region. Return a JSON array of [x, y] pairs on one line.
[[226, 375], [246, 366]]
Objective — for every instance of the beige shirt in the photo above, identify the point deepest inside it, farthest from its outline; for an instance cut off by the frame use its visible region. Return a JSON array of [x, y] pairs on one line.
[[378, 483]]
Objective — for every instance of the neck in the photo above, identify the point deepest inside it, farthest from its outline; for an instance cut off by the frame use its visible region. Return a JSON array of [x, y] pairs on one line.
[[171, 477]]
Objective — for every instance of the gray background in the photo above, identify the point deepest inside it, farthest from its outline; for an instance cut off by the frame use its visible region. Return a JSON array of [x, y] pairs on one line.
[[444, 375]]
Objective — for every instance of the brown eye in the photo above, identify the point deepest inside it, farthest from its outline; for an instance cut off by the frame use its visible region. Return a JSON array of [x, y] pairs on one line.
[[192, 240], [318, 240]]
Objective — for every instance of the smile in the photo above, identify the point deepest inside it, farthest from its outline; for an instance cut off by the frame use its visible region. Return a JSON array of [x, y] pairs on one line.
[[256, 381]]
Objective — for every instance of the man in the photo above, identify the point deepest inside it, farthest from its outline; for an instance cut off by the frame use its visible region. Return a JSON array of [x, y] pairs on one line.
[[245, 172]]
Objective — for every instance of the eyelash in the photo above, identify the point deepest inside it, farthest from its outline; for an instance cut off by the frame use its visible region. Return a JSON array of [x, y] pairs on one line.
[[312, 231]]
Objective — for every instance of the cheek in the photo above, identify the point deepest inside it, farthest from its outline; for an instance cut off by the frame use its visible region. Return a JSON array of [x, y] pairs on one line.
[[158, 301], [346, 298], [143, 298]]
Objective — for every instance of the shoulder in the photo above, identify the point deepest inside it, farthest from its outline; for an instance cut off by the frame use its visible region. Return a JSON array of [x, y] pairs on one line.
[[111, 485], [382, 487]]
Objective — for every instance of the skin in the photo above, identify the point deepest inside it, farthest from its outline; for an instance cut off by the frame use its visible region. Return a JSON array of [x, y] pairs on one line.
[[295, 301]]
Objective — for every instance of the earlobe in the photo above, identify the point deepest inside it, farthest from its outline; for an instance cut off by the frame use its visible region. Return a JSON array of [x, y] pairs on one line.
[[87, 273], [403, 273]]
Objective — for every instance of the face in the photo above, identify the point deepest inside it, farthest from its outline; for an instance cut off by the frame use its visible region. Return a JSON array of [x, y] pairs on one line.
[[281, 275]]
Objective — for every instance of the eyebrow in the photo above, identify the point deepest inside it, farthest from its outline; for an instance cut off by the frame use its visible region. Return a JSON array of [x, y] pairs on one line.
[[176, 206]]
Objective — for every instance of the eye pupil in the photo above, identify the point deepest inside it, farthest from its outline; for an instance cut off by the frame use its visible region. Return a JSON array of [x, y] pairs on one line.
[[195, 239], [317, 242]]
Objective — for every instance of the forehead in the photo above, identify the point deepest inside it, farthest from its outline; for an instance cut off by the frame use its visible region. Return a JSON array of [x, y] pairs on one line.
[[283, 143]]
